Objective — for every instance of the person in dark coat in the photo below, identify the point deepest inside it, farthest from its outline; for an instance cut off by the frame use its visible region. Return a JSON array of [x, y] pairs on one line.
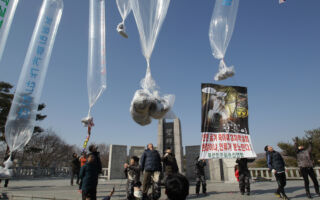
[[170, 165], [89, 175], [75, 168], [132, 173], [244, 174], [277, 165], [305, 164], [94, 151], [150, 164], [200, 175]]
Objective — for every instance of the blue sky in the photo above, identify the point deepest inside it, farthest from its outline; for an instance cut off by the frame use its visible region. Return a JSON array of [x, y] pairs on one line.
[[274, 48]]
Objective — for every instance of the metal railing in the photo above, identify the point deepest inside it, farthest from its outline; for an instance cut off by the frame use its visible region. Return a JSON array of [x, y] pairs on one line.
[[291, 173], [38, 172]]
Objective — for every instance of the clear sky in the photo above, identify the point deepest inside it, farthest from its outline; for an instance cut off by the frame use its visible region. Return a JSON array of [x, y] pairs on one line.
[[274, 48]]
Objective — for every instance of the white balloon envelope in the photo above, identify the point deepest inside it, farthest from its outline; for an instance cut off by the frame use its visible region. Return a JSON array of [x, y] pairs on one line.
[[220, 33], [22, 116], [7, 11]]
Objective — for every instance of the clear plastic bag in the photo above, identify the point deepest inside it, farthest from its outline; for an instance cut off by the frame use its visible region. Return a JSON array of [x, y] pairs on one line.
[[220, 33], [5, 173], [124, 8], [22, 116], [96, 77], [7, 11], [147, 103]]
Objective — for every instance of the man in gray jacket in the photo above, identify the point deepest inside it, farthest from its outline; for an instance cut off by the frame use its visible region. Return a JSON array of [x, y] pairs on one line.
[[306, 168]]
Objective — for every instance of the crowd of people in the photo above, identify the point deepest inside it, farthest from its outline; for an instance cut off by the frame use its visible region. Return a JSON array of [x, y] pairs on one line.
[[157, 171]]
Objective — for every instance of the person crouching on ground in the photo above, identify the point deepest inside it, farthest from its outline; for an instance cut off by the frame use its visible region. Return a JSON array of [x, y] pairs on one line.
[[132, 173], [277, 165], [244, 175], [306, 167], [176, 187], [89, 174]]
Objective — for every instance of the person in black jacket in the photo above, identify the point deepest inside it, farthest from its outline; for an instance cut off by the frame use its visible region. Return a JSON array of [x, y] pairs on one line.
[[277, 165], [93, 150], [169, 164], [244, 174], [200, 176], [89, 175], [306, 167], [75, 168], [150, 164]]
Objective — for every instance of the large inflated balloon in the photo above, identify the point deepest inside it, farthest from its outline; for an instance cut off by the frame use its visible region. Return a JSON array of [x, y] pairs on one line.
[[96, 77], [220, 33], [124, 8], [7, 11], [147, 103], [22, 116]]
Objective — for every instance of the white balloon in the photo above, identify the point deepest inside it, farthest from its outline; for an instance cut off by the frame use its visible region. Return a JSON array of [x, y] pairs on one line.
[[96, 77], [22, 116], [7, 11], [220, 33]]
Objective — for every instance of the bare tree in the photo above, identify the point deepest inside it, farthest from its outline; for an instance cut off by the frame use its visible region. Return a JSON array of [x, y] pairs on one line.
[[104, 154], [48, 150]]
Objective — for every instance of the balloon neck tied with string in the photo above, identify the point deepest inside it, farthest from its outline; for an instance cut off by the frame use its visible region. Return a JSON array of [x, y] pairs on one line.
[[124, 8], [220, 33], [87, 122]]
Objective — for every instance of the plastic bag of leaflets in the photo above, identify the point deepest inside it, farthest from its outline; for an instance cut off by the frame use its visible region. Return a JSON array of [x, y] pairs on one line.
[[147, 103], [6, 171]]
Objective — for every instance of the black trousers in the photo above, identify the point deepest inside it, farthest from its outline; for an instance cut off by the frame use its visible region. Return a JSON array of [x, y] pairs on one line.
[[6, 182], [73, 174], [129, 188], [201, 180], [282, 181], [308, 171], [90, 194], [244, 182]]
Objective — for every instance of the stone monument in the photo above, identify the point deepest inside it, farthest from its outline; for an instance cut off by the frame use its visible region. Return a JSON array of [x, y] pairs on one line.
[[117, 157], [169, 136]]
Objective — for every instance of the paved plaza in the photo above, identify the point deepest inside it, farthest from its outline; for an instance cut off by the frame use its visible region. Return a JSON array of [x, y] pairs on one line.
[[60, 189]]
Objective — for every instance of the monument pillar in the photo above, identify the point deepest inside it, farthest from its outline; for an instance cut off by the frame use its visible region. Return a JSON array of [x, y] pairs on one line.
[[117, 157]]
